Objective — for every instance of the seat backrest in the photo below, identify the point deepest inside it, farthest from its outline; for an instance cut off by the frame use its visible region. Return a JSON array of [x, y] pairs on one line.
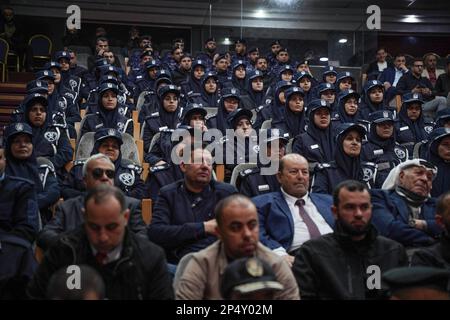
[[210, 110], [180, 269], [82, 59], [4, 49], [238, 169], [154, 140], [129, 149], [85, 146], [141, 100], [41, 44], [266, 124], [46, 161]]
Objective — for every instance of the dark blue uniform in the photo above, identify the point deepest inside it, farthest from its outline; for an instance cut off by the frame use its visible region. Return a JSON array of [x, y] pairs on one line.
[[441, 182], [253, 183], [161, 176], [367, 106]]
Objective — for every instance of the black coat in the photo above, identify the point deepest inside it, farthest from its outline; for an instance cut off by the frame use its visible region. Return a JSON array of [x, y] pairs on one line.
[[335, 267], [140, 273], [252, 183], [436, 256]]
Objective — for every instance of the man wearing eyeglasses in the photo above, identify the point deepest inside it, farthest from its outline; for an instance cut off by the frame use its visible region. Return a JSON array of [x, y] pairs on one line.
[[98, 169], [413, 82]]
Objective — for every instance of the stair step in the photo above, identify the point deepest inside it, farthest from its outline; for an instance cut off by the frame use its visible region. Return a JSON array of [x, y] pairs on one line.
[[9, 87]]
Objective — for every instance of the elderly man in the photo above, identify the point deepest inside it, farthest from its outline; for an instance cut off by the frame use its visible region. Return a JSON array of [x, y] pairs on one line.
[[237, 228], [98, 169], [291, 216], [403, 210], [337, 265], [183, 216], [131, 266]]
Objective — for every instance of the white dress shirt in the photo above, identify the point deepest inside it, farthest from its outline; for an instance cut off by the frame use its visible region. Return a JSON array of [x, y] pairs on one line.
[[301, 233]]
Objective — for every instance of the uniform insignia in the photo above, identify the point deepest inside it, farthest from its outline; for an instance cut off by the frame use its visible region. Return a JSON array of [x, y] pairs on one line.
[[314, 146], [121, 111], [62, 104], [400, 153], [51, 136], [121, 98], [264, 187], [19, 127], [368, 174], [378, 152], [428, 129], [111, 132], [120, 126], [404, 128], [256, 149], [127, 179], [73, 84], [254, 268], [385, 114]]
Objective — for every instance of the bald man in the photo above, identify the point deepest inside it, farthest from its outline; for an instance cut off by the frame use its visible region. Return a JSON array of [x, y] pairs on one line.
[[293, 215]]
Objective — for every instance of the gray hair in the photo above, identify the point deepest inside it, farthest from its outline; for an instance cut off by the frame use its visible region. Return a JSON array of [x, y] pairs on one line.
[[94, 157]]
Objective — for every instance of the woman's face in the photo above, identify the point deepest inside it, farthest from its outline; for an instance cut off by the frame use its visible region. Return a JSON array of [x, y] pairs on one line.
[[170, 102], [230, 104], [210, 85], [51, 86], [322, 118], [444, 149], [330, 78], [243, 127], [385, 129], [109, 100], [111, 148], [257, 84], [351, 106], [197, 121], [199, 71], [287, 76], [57, 75], [21, 146], [376, 95], [239, 72], [413, 111], [305, 84], [328, 95], [352, 143], [37, 115], [296, 103], [345, 84]]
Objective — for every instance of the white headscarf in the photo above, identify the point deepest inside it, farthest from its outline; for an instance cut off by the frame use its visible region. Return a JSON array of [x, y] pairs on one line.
[[392, 179]]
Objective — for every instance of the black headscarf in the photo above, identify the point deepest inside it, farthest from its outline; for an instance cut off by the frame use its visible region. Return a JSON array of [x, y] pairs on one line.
[[169, 119], [441, 182], [385, 144], [109, 117], [256, 97], [416, 127], [324, 138], [295, 121], [210, 99], [97, 145], [351, 166], [344, 116]]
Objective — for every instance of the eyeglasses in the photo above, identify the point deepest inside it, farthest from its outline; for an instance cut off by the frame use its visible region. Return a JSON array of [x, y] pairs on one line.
[[418, 65], [98, 173]]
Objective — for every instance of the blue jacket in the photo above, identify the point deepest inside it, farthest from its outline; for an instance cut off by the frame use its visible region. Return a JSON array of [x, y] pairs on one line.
[[390, 215], [276, 227], [178, 217]]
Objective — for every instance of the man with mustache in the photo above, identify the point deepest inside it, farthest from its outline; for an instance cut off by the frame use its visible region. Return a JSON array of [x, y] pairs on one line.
[[404, 210], [338, 265], [237, 229]]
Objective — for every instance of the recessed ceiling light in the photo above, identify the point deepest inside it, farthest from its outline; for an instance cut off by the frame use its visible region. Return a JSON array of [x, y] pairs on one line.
[[323, 59], [412, 18], [343, 40], [260, 13]]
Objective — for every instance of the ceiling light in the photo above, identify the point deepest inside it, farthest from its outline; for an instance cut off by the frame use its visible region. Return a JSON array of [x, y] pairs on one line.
[[226, 41], [412, 18], [260, 13], [343, 40], [324, 59]]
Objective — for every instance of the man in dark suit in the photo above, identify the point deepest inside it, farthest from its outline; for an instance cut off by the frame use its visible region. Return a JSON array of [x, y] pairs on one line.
[[391, 75], [291, 216]]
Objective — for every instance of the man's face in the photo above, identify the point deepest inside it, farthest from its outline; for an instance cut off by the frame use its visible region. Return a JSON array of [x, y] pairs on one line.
[[210, 85], [416, 179], [105, 224], [430, 62], [261, 64], [2, 160], [239, 230], [322, 118], [21, 146], [186, 63], [295, 177], [283, 57], [275, 48], [305, 84], [257, 84], [239, 72], [399, 61], [243, 127], [230, 104], [152, 73], [296, 103], [146, 59], [73, 59], [351, 106], [37, 115], [417, 68], [354, 211], [199, 71], [65, 64], [211, 46], [109, 56], [99, 171], [376, 95], [199, 170], [352, 143], [240, 48], [444, 149], [254, 56], [222, 65], [145, 43], [109, 100], [8, 14], [177, 54], [385, 130], [381, 55], [111, 148], [413, 111], [328, 95], [170, 102], [102, 45]]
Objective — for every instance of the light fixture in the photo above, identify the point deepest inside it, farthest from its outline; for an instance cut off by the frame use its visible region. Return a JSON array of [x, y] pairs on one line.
[[411, 18], [343, 40], [226, 41], [285, 2], [323, 59], [260, 13]]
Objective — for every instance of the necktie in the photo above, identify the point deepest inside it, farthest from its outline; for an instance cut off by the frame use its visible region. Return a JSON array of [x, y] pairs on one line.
[[100, 257], [312, 227]]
